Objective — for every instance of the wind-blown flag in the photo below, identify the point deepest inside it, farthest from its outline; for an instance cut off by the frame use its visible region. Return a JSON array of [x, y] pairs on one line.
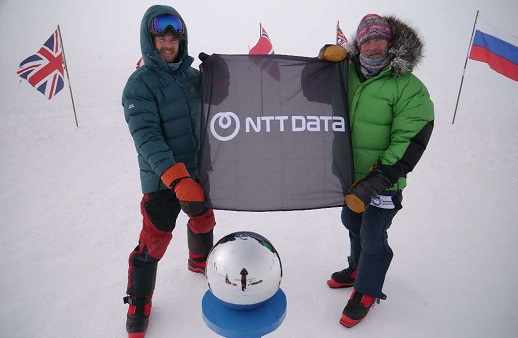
[[497, 48], [341, 39], [264, 45], [269, 145], [139, 64], [44, 70]]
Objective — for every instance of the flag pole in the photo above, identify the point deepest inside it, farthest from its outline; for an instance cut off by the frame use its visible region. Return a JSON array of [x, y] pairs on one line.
[[260, 35], [337, 25], [68, 77], [465, 64]]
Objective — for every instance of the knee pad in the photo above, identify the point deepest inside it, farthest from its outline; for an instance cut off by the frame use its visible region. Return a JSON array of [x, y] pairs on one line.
[[162, 209]]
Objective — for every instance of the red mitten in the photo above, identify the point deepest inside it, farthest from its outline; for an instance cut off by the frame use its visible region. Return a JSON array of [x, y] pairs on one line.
[[188, 192]]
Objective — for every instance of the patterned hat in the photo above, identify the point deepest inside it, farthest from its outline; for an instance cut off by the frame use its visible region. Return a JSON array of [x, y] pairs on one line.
[[372, 26]]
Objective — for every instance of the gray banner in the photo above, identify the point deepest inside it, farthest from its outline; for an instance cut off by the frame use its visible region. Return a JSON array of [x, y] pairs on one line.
[[275, 133]]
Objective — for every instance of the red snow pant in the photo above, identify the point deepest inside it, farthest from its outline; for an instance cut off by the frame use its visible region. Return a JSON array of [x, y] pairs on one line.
[[160, 210]]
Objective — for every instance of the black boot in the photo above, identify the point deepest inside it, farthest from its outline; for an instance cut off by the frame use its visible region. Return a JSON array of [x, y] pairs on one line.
[[199, 248], [138, 315], [342, 279], [356, 309]]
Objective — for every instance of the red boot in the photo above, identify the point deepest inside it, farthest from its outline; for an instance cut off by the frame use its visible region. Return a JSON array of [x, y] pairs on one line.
[[197, 263], [356, 309], [138, 315]]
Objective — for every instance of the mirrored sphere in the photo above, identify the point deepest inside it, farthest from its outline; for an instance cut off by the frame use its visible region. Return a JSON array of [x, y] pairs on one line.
[[243, 270]]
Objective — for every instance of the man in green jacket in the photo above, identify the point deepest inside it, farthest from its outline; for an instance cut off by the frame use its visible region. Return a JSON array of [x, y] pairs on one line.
[[391, 120], [162, 106]]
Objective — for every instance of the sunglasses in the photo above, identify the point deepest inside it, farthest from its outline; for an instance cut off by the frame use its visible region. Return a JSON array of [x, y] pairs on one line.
[[161, 25]]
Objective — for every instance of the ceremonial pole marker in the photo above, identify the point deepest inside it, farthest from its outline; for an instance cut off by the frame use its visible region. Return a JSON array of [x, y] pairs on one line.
[[244, 299]]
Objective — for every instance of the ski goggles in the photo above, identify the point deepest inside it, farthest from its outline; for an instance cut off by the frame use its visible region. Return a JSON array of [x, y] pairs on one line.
[[164, 23]]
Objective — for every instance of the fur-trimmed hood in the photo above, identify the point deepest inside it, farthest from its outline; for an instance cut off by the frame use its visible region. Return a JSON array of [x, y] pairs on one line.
[[406, 50]]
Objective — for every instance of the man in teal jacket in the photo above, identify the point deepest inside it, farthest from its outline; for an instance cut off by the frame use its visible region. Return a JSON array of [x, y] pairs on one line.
[[391, 120], [162, 106]]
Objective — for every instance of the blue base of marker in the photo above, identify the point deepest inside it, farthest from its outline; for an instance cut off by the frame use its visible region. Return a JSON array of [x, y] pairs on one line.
[[251, 323]]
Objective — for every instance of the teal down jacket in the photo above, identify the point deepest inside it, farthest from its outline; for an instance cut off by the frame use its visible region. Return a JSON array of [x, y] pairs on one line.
[[162, 107], [391, 114]]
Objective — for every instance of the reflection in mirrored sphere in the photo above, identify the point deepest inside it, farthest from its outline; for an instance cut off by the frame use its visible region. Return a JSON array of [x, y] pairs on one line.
[[243, 270]]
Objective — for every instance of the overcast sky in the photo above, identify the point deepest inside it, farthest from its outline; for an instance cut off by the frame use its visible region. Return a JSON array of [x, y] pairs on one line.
[[109, 29], [107, 32]]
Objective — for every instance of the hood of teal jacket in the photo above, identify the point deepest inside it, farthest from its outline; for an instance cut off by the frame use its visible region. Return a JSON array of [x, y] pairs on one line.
[[150, 55]]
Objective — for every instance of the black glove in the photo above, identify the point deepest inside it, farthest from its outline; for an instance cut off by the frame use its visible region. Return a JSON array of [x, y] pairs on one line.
[[364, 190], [216, 71], [203, 56]]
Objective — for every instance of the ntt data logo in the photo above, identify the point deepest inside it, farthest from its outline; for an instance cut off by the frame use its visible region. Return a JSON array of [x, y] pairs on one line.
[[226, 125]]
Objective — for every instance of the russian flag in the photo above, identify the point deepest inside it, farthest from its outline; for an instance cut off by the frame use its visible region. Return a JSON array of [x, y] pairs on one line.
[[500, 55]]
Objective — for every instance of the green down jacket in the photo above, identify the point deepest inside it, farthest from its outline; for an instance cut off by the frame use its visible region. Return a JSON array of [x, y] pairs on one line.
[[162, 106], [391, 115]]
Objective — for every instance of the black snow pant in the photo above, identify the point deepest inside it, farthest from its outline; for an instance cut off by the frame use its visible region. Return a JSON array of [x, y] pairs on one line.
[[370, 251]]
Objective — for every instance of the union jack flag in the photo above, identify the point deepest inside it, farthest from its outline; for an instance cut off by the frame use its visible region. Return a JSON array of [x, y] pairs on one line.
[[44, 70], [341, 39]]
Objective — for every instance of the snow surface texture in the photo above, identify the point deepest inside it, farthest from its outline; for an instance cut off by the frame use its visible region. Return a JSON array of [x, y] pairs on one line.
[[70, 196]]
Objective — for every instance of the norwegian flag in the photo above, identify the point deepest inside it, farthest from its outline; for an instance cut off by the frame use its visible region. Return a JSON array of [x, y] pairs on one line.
[[44, 70], [341, 39], [139, 64], [263, 46]]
